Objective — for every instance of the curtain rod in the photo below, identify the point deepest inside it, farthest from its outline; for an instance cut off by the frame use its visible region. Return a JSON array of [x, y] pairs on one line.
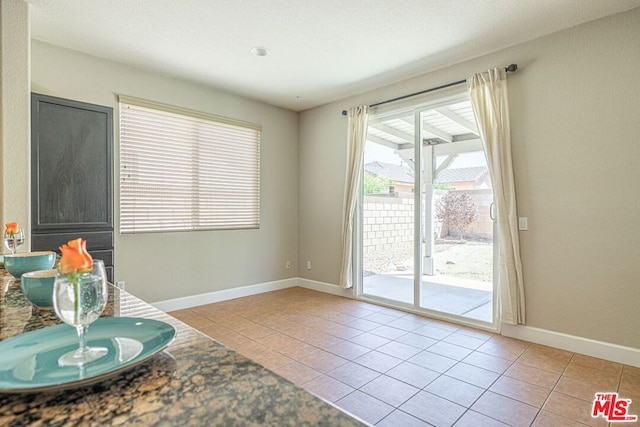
[[510, 69]]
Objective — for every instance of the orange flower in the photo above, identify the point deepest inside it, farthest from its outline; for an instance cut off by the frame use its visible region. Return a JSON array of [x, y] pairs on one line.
[[75, 257], [11, 228]]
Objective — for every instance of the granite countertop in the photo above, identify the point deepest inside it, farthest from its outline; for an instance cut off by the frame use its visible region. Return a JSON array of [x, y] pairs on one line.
[[194, 381]]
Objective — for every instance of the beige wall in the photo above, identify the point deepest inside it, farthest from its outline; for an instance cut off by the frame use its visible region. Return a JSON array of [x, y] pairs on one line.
[[575, 116], [322, 161], [162, 266], [14, 113]]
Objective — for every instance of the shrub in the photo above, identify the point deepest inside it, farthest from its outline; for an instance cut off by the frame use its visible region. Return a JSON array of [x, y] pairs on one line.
[[457, 210], [376, 184]]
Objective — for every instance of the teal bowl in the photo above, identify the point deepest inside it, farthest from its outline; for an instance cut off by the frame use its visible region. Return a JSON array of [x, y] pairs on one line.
[[18, 264], [37, 286]]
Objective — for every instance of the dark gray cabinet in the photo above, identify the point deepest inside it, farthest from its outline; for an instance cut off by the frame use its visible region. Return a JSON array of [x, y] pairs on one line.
[[72, 175]]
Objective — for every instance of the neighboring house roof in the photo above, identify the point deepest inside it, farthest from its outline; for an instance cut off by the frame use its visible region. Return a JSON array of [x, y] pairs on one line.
[[472, 174], [396, 173]]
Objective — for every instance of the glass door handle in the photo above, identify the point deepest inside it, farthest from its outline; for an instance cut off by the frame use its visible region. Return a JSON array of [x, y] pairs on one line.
[[492, 211]]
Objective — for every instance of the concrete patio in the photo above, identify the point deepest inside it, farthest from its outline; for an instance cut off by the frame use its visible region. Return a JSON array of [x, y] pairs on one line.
[[463, 297]]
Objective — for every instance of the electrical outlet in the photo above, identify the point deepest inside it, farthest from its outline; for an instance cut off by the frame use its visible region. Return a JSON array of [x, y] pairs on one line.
[[308, 265], [120, 284], [287, 265]]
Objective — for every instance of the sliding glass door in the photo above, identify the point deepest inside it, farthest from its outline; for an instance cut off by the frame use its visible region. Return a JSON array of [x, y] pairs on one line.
[[426, 233], [388, 223]]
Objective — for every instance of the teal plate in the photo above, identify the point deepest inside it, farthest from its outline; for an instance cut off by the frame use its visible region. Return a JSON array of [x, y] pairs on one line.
[[29, 361]]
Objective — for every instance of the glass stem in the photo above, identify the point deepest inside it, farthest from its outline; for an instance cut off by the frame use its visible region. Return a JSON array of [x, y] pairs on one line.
[[82, 338]]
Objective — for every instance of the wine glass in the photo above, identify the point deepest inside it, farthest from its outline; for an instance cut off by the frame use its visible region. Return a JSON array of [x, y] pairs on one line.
[[13, 242], [78, 300]]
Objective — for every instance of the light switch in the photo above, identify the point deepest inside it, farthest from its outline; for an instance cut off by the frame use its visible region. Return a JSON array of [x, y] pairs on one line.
[[523, 223]]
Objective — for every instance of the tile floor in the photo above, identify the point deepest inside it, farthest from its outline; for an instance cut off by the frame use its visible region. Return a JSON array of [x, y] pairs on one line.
[[393, 368]]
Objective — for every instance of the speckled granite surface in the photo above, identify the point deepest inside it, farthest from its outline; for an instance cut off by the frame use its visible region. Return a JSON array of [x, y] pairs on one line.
[[194, 382]]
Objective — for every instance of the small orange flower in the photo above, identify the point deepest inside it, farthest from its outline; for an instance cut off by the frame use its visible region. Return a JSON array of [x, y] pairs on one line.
[[11, 228], [75, 257]]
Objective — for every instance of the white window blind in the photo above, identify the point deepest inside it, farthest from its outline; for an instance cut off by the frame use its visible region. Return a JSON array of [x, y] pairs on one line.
[[186, 170]]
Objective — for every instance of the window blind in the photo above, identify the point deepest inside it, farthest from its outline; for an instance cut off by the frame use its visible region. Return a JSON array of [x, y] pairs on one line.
[[185, 170]]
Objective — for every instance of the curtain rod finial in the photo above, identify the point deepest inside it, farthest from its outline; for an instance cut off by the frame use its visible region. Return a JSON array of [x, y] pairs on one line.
[[344, 112], [511, 68]]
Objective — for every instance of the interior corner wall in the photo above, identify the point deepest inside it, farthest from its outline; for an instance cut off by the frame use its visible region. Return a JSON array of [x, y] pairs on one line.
[[14, 114], [323, 158], [575, 124], [163, 266]]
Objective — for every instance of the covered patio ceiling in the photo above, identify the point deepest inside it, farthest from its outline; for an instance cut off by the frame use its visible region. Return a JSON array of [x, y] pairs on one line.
[[442, 125]]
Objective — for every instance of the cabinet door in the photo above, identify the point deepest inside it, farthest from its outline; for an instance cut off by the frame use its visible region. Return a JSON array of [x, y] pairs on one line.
[[71, 165]]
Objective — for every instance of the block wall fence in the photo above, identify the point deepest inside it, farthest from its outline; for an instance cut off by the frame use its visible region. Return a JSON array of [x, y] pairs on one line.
[[388, 220]]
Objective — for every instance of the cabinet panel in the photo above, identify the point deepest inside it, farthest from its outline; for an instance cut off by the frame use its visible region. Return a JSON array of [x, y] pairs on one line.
[[72, 166], [72, 175], [96, 240], [105, 256]]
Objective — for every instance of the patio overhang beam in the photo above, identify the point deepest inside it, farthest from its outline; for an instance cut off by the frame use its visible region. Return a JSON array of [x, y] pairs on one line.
[[461, 144], [470, 126], [406, 154], [382, 141], [455, 138], [434, 131], [393, 132], [460, 147], [450, 158], [465, 137]]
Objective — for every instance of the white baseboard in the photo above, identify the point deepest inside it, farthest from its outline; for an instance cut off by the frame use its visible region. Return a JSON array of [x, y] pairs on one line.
[[600, 349], [325, 287], [224, 295]]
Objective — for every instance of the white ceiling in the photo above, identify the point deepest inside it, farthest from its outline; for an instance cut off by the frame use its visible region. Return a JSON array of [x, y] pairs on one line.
[[320, 50]]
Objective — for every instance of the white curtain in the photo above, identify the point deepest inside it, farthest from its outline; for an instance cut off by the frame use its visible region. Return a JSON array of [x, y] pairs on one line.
[[358, 118], [489, 99]]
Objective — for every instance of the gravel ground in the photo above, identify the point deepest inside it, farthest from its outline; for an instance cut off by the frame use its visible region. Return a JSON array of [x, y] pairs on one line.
[[468, 259]]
